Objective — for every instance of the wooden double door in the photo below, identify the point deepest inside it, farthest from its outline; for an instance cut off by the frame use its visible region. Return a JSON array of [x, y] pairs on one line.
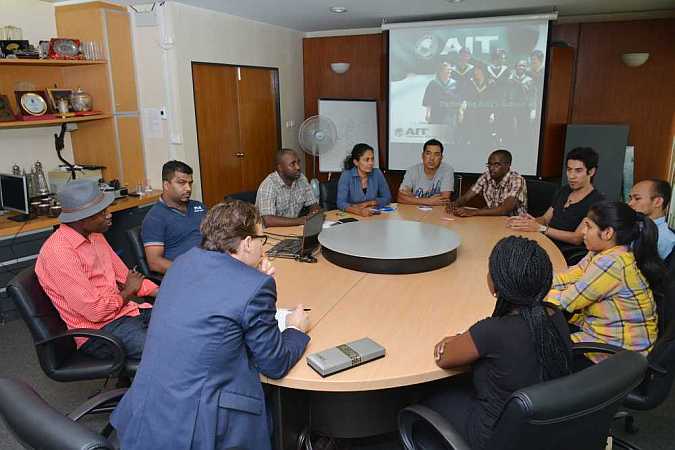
[[238, 129]]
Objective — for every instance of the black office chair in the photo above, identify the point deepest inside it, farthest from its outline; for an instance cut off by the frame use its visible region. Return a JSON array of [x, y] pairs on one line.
[[328, 194], [539, 195], [658, 381], [248, 197], [138, 253], [55, 344], [572, 412], [574, 254], [670, 262], [35, 424]]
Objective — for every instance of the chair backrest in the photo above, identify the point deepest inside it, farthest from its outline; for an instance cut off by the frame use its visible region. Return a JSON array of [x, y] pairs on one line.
[[37, 425], [655, 388], [570, 412], [539, 196], [138, 250], [42, 319], [248, 197], [670, 262], [328, 194]]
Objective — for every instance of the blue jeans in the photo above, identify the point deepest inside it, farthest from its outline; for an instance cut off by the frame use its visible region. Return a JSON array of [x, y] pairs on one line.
[[130, 330]]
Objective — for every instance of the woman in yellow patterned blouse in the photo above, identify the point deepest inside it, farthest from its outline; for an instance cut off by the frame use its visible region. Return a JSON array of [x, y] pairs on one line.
[[610, 290]]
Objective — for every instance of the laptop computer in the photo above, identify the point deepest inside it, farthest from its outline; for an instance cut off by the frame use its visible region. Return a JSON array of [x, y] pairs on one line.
[[300, 246]]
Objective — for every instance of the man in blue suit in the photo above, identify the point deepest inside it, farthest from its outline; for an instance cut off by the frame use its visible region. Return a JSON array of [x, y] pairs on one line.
[[212, 334]]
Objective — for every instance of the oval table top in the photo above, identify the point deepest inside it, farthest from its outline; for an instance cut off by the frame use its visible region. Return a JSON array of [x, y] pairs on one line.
[[406, 314], [389, 239]]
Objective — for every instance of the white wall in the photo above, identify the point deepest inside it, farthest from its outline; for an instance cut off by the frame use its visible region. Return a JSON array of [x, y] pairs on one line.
[[207, 36], [151, 94], [25, 146]]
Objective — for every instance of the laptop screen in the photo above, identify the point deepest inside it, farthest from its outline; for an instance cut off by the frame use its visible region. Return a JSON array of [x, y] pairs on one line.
[[310, 233]]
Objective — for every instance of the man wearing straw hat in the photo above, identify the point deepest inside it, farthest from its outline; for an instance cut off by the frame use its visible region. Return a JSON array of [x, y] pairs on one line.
[[87, 282]]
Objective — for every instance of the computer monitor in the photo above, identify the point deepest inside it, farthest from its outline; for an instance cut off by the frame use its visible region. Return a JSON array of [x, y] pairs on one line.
[[14, 195]]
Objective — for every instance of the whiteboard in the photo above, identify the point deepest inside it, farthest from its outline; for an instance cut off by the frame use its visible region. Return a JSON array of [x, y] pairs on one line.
[[355, 121]]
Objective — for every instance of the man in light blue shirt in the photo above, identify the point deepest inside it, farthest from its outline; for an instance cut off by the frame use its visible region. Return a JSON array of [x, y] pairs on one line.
[[652, 197]]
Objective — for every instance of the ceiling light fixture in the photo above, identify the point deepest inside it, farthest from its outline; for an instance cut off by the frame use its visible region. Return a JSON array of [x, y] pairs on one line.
[[454, 1], [338, 9]]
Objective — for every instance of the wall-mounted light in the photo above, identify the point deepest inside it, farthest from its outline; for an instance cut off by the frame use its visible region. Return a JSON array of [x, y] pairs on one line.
[[339, 67], [634, 59]]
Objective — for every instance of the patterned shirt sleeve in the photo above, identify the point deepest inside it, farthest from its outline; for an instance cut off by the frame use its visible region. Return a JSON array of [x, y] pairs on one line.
[[514, 187], [265, 200], [480, 184], [601, 277], [563, 279]]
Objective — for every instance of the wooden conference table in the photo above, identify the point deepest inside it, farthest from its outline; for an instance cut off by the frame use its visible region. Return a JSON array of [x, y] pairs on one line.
[[407, 314]]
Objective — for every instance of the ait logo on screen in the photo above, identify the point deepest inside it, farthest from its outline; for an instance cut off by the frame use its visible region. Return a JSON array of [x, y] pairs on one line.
[[426, 47], [411, 132]]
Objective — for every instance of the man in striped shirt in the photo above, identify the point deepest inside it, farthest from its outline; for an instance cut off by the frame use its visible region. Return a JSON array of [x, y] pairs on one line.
[[87, 282]]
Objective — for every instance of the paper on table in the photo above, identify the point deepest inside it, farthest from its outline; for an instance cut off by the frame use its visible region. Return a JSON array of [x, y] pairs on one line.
[[329, 223], [281, 317]]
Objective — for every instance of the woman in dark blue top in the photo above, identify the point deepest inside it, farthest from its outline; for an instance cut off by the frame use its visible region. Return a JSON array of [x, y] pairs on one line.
[[362, 187]]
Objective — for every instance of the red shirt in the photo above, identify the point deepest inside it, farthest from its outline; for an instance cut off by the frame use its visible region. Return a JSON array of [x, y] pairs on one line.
[[81, 278]]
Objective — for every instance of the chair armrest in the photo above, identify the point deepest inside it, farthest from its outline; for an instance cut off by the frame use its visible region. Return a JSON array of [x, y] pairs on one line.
[[96, 401], [656, 368], [119, 353], [595, 347], [408, 416]]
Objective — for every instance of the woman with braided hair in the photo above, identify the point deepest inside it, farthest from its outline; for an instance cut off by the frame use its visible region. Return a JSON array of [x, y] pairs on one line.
[[610, 290], [522, 344]]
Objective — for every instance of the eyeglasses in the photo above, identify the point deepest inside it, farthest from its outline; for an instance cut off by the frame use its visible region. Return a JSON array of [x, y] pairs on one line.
[[260, 236]]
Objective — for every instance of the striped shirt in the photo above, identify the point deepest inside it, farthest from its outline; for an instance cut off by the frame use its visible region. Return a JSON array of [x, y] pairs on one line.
[[511, 185], [612, 301], [81, 276]]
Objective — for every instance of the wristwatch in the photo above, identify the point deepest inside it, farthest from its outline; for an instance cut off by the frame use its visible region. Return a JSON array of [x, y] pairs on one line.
[[543, 228]]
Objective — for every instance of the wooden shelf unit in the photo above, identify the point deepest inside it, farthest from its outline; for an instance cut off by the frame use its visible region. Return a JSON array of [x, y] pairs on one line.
[[49, 62], [51, 122], [111, 139]]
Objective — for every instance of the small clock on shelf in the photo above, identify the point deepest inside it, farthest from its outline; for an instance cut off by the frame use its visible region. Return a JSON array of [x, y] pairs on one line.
[[32, 103]]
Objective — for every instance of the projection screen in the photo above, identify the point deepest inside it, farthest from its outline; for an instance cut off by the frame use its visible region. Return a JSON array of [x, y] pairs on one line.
[[474, 84]]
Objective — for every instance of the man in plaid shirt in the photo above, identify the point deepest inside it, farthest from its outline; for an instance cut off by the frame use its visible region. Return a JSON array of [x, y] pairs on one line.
[[503, 189], [285, 192]]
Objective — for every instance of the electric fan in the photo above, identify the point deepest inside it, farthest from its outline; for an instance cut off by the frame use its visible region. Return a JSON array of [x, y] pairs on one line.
[[317, 136]]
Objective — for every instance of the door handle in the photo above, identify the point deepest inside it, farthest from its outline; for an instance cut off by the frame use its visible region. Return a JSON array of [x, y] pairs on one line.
[[238, 155]]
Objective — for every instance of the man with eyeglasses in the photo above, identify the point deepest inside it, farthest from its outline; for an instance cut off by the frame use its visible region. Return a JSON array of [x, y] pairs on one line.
[[503, 189], [212, 336]]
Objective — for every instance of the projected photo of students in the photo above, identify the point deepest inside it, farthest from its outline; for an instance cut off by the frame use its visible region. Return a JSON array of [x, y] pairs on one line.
[[440, 97], [476, 116], [475, 87]]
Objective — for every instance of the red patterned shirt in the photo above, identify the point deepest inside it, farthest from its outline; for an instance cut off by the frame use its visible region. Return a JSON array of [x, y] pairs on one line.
[[81, 277]]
